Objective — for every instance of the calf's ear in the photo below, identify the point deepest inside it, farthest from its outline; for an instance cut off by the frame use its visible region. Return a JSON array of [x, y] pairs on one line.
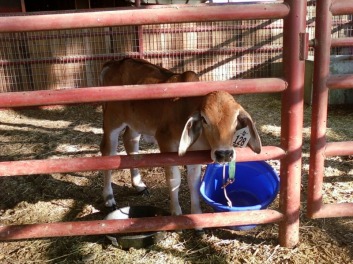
[[245, 120], [191, 132]]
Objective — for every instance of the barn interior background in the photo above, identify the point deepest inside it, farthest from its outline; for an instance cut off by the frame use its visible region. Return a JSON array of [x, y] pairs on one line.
[[61, 59]]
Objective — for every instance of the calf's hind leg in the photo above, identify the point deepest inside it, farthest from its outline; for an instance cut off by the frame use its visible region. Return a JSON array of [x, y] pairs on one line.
[[108, 147], [131, 141]]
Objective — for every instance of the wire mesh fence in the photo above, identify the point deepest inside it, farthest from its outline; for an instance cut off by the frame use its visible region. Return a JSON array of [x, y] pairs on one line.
[[217, 51], [72, 58], [342, 26]]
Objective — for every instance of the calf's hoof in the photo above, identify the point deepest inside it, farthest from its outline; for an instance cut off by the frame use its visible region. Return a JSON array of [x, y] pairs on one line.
[[109, 201], [199, 232], [144, 192]]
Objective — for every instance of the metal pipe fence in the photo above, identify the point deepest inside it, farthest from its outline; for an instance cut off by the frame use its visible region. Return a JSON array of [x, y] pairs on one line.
[[291, 86]]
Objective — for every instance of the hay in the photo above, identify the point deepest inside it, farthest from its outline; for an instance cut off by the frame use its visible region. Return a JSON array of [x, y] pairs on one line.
[[76, 131]]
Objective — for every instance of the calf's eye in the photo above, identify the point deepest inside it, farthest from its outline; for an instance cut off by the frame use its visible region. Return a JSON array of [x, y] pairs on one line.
[[203, 120]]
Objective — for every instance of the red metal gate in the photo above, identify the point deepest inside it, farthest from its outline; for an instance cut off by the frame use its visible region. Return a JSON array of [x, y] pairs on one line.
[[319, 148], [291, 86]]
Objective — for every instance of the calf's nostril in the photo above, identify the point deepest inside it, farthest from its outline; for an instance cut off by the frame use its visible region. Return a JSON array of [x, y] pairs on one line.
[[219, 155], [224, 155]]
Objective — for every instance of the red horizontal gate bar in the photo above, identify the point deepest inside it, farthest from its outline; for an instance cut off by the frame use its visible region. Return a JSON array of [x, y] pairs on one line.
[[344, 148], [142, 16], [333, 210], [341, 7], [30, 167], [341, 42], [340, 81], [136, 92], [98, 227]]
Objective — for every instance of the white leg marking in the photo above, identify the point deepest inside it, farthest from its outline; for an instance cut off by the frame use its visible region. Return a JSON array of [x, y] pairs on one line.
[[136, 180], [109, 149], [108, 195], [131, 143], [173, 180]]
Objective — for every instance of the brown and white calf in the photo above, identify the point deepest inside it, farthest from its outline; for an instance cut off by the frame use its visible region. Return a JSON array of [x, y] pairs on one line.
[[197, 123]]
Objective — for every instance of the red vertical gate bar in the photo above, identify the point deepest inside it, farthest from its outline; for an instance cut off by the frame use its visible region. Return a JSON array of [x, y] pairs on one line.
[[319, 104], [319, 148], [292, 121]]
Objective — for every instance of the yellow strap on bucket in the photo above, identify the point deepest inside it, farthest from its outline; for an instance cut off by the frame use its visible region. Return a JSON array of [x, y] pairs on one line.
[[230, 180], [231, 170]]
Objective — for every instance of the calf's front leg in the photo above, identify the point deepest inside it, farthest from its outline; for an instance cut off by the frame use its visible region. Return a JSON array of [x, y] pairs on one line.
[[173, 178], [194, 182]]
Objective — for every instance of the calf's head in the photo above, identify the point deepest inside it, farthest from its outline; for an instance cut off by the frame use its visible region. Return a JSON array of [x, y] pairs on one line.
[[218, 118]]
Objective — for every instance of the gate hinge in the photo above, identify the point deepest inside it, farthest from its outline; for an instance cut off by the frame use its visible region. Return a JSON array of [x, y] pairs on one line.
[[303, 46]]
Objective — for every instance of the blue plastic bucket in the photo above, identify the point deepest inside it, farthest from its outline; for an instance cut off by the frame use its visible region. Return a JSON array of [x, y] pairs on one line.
[[255, 187]]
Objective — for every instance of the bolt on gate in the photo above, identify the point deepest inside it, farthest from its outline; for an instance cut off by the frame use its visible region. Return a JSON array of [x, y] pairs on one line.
[[289, 153], [322, 83]]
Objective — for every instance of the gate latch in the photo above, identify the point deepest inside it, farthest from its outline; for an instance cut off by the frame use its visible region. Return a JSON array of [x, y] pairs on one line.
[[303, 46]]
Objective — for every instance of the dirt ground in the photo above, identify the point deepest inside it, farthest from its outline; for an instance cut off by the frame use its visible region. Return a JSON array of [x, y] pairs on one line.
[[75, 131]]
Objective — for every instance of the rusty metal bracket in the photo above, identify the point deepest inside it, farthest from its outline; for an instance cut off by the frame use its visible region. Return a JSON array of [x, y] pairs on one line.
[[303, 46]]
